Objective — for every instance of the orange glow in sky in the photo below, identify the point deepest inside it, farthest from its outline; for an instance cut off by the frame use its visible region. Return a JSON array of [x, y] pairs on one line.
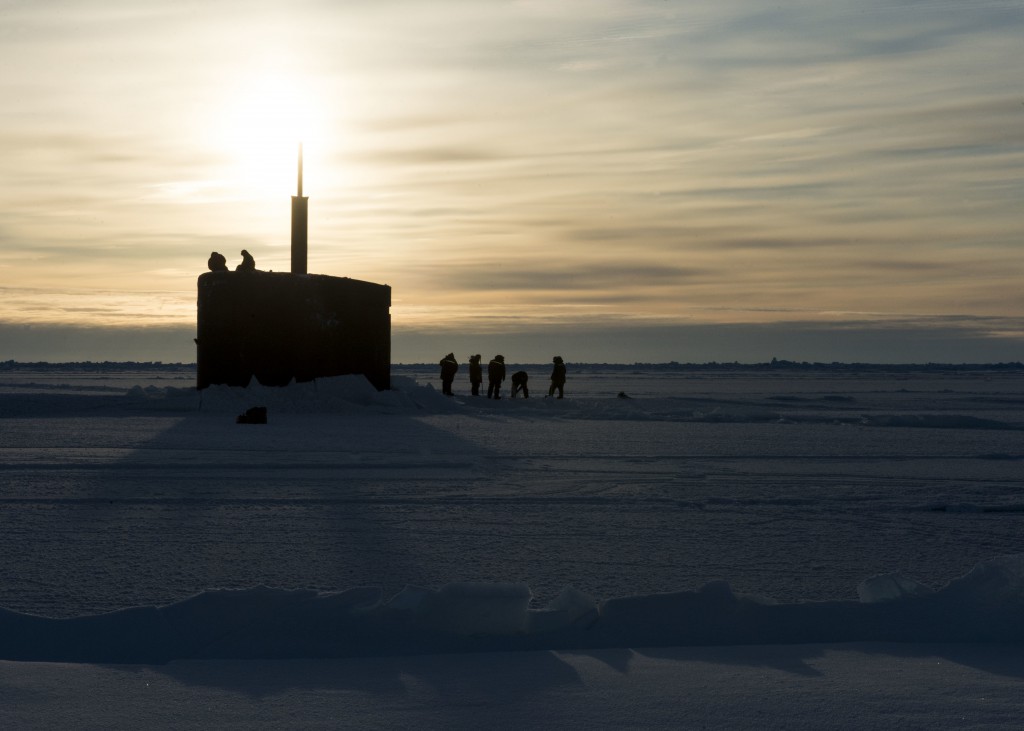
[[602, 164]]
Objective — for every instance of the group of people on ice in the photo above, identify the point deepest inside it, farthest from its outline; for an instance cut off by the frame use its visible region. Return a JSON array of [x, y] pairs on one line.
[[496, 376]]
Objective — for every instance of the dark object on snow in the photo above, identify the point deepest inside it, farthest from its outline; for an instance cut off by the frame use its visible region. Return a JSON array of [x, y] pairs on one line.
[[217, 262], [248, 263], [255, 415], [519, 381], [622, 394]]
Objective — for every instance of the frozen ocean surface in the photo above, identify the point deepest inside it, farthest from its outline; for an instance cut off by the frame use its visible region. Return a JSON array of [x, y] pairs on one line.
[[127, 488], [847, 541]]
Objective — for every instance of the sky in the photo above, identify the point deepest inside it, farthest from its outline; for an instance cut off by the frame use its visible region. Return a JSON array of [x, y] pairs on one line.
[[624, 180]]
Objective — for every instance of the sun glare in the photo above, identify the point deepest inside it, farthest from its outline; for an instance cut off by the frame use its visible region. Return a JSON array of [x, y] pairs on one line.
[[265, 120]]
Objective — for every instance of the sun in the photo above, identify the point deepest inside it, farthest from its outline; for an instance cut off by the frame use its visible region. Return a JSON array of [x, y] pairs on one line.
[[265, 119]]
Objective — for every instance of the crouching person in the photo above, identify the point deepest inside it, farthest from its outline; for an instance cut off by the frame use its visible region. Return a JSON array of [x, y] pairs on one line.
[[519, 381]]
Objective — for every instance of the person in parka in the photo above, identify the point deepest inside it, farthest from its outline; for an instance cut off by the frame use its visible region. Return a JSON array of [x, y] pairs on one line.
[[476, 373], [495, 375], [217, 262], [557, 376], [520, 379], [449, 367], [248, 263]]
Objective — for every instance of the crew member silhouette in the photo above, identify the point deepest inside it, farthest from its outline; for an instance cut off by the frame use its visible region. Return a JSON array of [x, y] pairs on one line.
[[557, 376], [495, 375], [217, 262], [449, 367], [248, 263], [519, 380], [476, 373]]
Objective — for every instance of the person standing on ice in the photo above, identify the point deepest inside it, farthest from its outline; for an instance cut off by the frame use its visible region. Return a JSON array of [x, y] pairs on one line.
[[519, 380], [495, 375], [449, 367], [557, 377], [476, 373]]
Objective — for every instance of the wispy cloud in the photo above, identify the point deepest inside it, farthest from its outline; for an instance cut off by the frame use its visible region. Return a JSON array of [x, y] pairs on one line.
[[643, 159]]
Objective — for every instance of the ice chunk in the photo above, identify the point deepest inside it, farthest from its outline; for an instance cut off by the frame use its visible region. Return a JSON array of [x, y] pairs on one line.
[[997, 582], [890, 587], [706, 616], [571, 607], [412, 599], [472, 609]]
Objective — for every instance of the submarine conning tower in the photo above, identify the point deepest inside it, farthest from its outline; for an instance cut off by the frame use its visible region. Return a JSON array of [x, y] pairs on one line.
[[279, 327]]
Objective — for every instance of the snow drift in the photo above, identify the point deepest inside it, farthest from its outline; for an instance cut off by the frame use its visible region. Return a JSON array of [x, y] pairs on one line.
[[986, 605]]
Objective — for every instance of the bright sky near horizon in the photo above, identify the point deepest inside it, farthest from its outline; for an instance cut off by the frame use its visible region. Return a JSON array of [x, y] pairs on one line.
[[583, 166]]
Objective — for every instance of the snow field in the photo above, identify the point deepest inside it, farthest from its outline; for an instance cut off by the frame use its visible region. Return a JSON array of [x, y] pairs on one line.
[[793, 487], [828, 534]]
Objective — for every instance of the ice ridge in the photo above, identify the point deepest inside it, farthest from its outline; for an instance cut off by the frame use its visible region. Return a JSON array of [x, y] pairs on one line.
[[986, 605]]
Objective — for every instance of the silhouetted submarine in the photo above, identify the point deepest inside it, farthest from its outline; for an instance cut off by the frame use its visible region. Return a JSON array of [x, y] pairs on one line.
[[280, 326]]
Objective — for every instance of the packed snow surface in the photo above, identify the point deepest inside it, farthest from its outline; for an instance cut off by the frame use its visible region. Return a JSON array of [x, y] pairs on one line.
[[140, 523]]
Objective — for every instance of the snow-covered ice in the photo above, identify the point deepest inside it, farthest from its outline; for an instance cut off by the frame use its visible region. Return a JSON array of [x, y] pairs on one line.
[[718, 507]]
